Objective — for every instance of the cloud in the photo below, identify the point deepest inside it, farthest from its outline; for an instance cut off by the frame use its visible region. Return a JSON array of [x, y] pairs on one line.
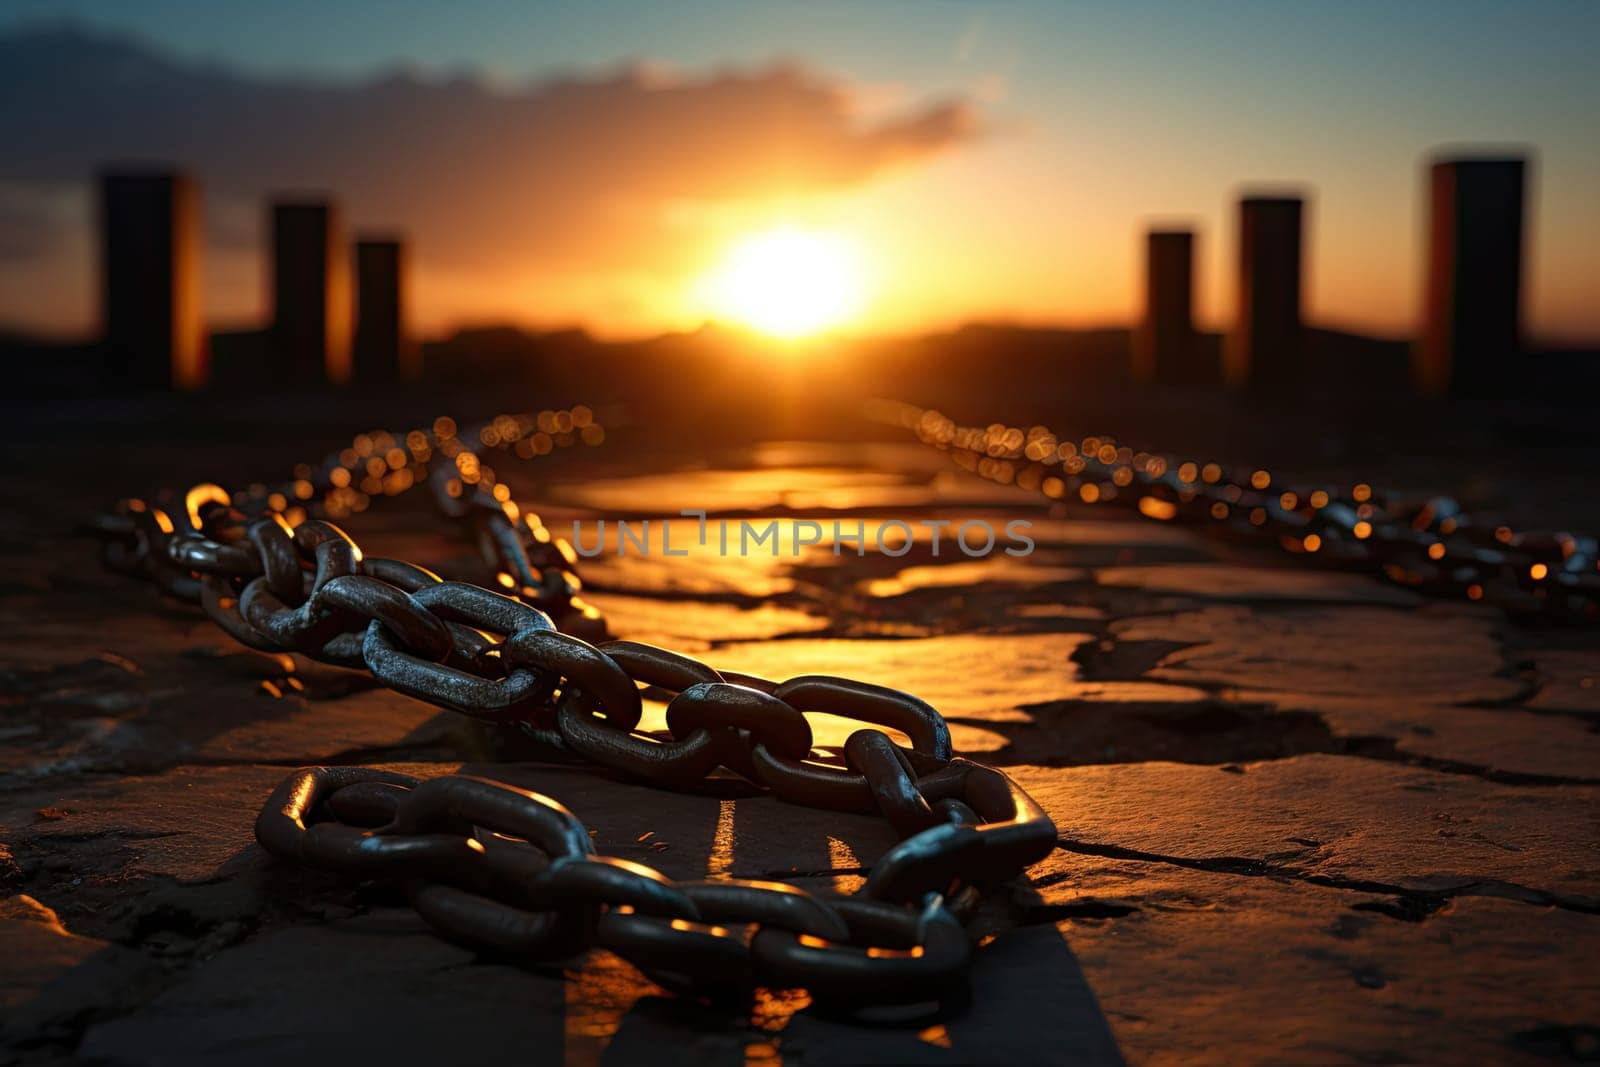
[[484, 176], [28, 228]]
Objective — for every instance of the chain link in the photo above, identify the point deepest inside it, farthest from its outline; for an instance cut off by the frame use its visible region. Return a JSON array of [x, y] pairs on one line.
[[1433, 546], [450, 462], [513, 872]]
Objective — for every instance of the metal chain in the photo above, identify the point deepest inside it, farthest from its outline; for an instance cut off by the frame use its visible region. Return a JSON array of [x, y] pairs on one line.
[[1434, 547], [513, 872], [525, 558]]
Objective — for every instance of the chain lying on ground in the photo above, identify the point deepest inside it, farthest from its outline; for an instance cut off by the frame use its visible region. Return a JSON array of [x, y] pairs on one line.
[[528, 562], [514, 872], [1433, 547]]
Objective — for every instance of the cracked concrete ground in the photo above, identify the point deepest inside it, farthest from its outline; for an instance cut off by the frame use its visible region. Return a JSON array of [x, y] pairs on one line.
[[1303, 816]]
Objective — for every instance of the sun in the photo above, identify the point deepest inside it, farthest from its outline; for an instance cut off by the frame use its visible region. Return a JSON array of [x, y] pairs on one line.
[[788, 282]]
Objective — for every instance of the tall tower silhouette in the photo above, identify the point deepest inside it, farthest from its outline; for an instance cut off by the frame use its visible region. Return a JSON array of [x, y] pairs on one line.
[[1472, 333], [1165, 347], [383, 351], [150, 299], [1265, 347], [310, 293]]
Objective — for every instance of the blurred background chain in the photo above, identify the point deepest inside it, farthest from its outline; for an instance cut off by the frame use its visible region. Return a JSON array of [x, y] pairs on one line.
[[1431, 545], [513, 872], [526, 560]]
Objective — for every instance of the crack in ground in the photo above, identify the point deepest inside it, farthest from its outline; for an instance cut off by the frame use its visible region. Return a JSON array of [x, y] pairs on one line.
[[1588, 718], [1221, 731], [1386, 749], [1257, 868], [826, 872], [348, 757], [1040, 914], [84, 837]]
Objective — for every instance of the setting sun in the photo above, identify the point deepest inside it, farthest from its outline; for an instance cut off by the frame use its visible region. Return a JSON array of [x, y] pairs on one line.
[[788, 282]]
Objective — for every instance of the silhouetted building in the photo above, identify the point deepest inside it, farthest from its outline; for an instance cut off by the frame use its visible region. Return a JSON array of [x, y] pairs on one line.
[[1265, 347], [150, 281], [1473, 333], [1165, 346], [383, 351], [310, 293]]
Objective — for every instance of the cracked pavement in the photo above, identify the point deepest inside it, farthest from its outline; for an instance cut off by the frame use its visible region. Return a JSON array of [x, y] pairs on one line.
[[1303, 816]]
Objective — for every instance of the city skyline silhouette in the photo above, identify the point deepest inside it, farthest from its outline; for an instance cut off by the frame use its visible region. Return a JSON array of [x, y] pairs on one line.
[[603, 196]]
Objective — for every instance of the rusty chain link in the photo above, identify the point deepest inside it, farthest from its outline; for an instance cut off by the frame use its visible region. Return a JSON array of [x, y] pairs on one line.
[[513, 872], [1432, 546]]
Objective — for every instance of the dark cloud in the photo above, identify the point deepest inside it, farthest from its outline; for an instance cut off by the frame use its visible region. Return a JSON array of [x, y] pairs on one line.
[[554, 171], [26, 232]]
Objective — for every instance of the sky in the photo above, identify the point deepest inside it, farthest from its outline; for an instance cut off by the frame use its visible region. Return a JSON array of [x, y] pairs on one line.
[[595, 164]]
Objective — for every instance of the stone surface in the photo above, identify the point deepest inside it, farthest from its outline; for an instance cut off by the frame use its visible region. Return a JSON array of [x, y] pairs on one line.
[[276, 998], [1340, 820], [1303, 816], [38, 949], [693, 627], [52, 980], [1323, 974], [1442, 659], [1434, 685], [1224, 581], [1567, 680], [972, 675]]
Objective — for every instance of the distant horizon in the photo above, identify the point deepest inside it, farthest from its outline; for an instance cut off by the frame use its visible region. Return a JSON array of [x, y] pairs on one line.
[[1532, 343], [607, 165]]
